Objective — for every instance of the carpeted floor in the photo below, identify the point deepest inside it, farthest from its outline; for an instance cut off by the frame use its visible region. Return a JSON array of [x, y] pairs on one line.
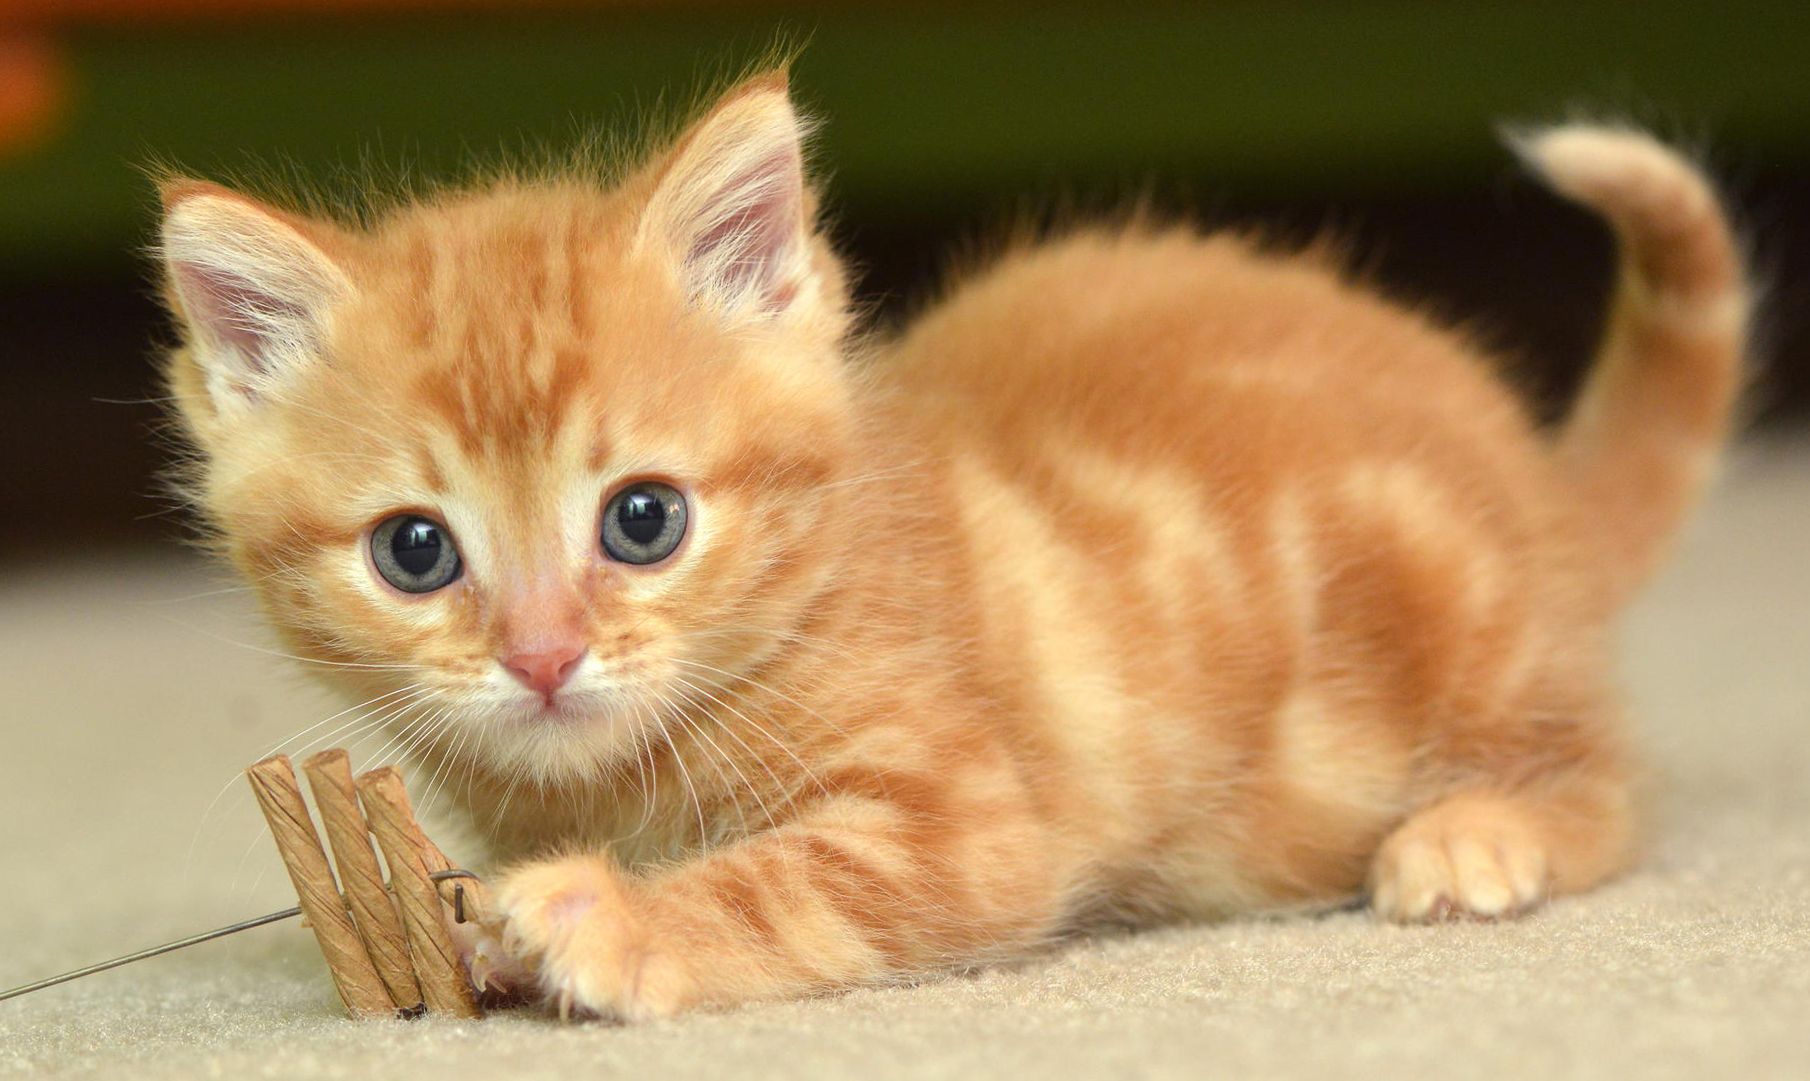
[[126, 711]]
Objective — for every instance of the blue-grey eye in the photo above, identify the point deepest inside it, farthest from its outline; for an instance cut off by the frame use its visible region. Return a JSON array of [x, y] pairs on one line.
[[643, 523], [415, 554]]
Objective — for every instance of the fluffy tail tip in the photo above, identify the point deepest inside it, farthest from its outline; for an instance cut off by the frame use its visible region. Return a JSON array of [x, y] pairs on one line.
[[1662, 204], [1607, 166]]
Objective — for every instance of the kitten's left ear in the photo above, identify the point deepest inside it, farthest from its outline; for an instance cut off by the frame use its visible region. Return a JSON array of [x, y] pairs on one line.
[[730, 205]]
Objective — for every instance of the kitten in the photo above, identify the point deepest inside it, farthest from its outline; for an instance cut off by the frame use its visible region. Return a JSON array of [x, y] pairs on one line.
[[1146, 576]]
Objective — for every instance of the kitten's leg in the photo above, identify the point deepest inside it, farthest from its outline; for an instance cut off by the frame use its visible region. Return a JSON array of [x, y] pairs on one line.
[[856, 891], [1493, 853]]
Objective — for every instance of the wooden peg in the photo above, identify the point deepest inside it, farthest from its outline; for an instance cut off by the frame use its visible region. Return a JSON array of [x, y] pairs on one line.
[[280, 797], [406, 850], [379, 925]]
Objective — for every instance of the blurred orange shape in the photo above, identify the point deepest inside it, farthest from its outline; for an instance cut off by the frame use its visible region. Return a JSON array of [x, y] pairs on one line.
[[31, 88]]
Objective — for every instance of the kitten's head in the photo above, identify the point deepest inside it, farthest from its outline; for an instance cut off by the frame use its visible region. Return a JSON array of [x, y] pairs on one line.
[[540, 459]]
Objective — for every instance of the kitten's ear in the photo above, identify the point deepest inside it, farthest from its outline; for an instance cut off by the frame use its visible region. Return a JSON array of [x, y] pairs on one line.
[[730, 204], [251, 288]]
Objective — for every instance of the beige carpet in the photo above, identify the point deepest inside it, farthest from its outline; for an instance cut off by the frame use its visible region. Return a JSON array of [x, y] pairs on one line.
[[125, 712]]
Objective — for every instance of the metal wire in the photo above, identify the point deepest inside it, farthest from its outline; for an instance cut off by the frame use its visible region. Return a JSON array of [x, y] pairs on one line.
[[167, 947], [219, 932]]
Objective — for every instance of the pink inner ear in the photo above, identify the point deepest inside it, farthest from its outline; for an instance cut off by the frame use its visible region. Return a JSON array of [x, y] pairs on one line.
[[234, 312], [752, 224]]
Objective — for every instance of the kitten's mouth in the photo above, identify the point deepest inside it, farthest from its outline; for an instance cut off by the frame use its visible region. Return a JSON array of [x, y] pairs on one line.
[[570, 710], [561, 709]]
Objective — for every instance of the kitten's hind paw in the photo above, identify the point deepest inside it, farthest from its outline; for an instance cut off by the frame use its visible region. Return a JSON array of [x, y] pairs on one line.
[[1469, 856]]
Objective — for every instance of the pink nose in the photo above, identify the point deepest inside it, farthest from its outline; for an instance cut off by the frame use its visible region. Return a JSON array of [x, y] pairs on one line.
[[545, 671]]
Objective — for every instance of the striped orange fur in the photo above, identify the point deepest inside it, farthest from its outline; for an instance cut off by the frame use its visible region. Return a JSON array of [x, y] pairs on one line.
[[1145, 576]]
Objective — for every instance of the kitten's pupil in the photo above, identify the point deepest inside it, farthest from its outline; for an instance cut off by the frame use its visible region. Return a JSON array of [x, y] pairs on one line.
[[416, 546], [414, 553], [642, 517], [643, 523]]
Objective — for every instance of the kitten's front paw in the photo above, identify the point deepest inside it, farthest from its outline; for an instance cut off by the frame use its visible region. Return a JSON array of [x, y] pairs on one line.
[[1467, 856], [573, 923]]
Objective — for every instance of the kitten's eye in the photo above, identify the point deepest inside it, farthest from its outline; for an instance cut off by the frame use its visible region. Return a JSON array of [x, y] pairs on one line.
[[414, 554], [643, 523]]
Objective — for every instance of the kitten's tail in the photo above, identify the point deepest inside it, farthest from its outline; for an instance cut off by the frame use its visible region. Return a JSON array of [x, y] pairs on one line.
[[1658, 404]]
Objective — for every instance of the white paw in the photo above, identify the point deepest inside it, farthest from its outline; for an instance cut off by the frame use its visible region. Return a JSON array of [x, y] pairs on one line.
[[570, 923], [1473, 858]]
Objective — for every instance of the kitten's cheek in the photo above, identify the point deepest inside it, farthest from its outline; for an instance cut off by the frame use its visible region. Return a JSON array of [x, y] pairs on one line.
[[573, 923]]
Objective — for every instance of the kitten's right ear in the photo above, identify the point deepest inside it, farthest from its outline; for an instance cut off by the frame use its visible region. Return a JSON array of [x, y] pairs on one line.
[[252, 289]]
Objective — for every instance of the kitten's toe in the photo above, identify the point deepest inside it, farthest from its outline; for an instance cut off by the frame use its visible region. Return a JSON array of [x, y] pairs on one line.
[[1463, 858], [497, 976]]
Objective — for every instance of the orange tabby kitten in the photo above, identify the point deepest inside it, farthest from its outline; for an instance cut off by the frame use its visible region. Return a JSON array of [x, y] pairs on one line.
[[1147, 576]]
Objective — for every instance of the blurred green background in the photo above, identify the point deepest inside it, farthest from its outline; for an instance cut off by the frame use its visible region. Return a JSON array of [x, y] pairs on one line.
[[940, 123]]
